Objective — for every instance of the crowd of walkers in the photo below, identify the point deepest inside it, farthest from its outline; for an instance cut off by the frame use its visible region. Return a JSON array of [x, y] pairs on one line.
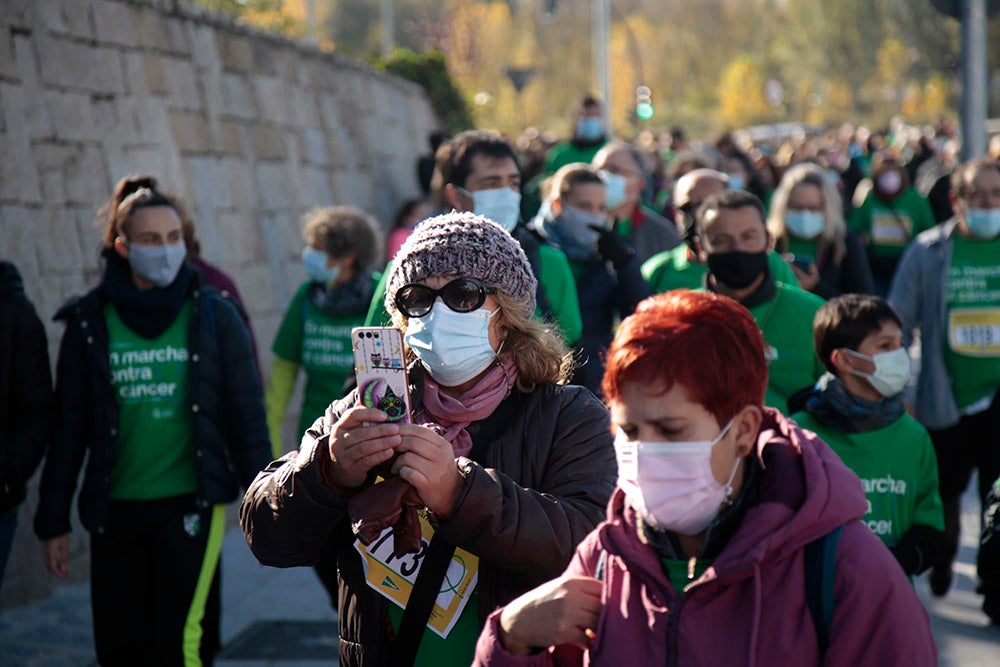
[[656, 388]]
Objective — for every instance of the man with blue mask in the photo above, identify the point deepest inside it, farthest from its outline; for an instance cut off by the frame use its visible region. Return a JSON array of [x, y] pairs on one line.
[[480, 174], [589, 134], [947, 286], [626, 177]]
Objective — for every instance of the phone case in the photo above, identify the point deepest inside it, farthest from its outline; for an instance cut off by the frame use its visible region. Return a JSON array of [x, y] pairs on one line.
[[381, 371]]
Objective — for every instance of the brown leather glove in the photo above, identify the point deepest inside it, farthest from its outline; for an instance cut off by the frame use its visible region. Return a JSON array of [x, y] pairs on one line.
[[392, 503]]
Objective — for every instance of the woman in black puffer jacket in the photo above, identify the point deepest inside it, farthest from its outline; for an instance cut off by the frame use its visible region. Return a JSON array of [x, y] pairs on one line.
[[157, 387]]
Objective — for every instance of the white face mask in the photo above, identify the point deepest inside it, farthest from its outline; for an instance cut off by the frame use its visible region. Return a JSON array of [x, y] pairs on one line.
[[892, 370], [671, 483], [616, 185], [983, 223], [158, 264], [501, 205], [453, 347], [890, 182], [805, 224]]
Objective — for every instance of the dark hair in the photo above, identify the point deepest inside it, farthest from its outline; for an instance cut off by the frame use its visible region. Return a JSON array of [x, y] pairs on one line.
[[342, 230], [729, 199], [845, 321], [405, 211], [130, 194], [589, 101], [962, 177], [454, 158], [565, 180], [436, 138]]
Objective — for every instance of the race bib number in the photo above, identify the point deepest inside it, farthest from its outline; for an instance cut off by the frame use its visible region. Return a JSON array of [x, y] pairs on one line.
[[890, 229], [975, 332], [393, 577]]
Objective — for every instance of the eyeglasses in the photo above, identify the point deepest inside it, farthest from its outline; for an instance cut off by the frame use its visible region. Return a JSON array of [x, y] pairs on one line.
[[463, 295]]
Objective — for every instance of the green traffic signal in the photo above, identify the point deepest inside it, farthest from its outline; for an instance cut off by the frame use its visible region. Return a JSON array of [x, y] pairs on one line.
[[644, 110]]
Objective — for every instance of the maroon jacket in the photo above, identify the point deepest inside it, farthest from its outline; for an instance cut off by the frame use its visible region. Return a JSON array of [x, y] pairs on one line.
[[749, 606]]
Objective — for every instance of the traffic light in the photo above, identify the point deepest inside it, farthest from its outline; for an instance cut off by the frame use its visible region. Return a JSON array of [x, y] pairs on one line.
[[644, 103]]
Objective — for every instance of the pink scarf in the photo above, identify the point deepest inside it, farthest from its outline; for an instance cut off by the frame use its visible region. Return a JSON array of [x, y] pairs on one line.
[[455, 413]]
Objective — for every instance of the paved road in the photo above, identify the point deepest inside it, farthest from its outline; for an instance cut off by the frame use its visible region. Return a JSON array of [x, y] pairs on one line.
[[281, 618]]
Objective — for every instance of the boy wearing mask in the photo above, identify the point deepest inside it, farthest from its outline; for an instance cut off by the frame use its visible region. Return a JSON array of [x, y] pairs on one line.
[[857, 409]]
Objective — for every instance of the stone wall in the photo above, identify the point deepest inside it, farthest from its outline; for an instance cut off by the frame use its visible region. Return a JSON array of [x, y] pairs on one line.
[[252, 130]]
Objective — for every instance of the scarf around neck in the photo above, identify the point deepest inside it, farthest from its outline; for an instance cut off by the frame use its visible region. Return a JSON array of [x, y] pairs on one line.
[[351, 298], [146, 312], [455, 413], [834, 406]]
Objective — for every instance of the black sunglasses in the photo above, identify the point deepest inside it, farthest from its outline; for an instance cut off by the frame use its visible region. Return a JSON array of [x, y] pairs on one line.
[[463, 295]]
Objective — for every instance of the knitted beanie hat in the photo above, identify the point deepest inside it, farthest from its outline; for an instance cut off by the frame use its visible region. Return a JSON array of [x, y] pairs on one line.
[[463, 244]]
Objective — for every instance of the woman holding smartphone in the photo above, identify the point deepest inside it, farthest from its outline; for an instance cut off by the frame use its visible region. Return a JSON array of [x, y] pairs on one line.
[[510, 467], [806, 221]]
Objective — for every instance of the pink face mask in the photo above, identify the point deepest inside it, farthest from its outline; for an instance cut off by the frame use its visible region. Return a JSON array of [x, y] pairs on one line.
[[671, 483]]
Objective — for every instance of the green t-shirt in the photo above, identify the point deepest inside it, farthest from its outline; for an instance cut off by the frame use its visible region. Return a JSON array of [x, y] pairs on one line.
[[457, 649], [557, 283], [887, 228], [898, 471], [786, 322], [567, 153], [559, 287], [798, 246], [675, 269], [972, 347], [153, 456], [321, 345]]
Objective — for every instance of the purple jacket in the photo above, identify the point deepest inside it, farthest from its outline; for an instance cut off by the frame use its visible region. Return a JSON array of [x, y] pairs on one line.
[[749, 607]]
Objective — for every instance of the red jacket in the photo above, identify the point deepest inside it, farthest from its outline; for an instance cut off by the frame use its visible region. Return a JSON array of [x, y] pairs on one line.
[[749, 606]]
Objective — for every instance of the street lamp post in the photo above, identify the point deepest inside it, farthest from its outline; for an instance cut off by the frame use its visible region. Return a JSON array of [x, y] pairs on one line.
[[387, 20], [599, 21]]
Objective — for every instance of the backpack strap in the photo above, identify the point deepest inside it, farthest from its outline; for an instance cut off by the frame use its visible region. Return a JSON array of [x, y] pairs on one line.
[[820, 564]]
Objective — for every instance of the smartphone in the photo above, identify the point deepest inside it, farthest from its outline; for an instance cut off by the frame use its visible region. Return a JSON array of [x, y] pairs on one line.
[[803, 262], [380, 370]]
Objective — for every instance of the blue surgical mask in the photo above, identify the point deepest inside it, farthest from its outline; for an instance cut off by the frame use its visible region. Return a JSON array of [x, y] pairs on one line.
[[589, 128], [805, 224], [158, 264], [736, 182], [453, 347], [616, 185], [314, 262], [501, 205], [983, 223]]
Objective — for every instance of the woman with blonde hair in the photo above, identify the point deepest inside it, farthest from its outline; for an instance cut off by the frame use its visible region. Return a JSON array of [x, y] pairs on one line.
[[806, 222], [502, 471]]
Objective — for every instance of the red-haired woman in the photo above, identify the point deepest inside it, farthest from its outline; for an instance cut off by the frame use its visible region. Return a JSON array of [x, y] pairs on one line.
[[702, 558]]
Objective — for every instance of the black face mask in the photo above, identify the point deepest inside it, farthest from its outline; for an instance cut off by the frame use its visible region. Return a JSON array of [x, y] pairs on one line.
[[737, 269]]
